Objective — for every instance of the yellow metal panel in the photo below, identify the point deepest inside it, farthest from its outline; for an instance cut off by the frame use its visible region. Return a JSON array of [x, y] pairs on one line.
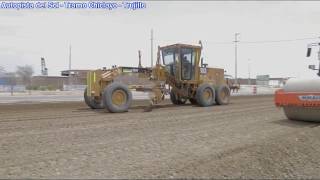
[[89, 84]]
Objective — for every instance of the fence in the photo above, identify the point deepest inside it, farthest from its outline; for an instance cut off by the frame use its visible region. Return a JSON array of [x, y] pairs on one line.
[[16, 88], [74, 87]]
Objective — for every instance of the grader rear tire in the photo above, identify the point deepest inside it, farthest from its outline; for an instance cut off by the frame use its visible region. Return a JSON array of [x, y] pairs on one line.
[[91, 102], [223, 95], [117, 97], [205, 95]]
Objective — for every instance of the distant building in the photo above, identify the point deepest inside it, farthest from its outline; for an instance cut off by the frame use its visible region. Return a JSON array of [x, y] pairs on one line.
[[75, 72], [11, 83], [78, 77], [246, 81], [277, 82], [54, 82], [261, 80], [69, 79], [9, 79]]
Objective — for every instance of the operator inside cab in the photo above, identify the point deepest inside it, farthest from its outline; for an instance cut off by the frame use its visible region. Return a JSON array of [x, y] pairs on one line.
[[186, 67]]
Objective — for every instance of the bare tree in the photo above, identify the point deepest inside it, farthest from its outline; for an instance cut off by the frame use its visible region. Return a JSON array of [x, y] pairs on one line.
[[2, 70], [9, 77], [12, 81], [25, 73]]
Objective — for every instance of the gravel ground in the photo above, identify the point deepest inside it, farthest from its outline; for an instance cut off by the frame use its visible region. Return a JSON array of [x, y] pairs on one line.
[[249, 138]]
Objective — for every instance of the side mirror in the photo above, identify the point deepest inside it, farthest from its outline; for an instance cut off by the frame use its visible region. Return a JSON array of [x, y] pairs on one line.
[[313, 67], [200, 42], [309, 52]]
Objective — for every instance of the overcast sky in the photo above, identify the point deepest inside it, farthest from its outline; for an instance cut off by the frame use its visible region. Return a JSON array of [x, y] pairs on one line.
[[104, 38]]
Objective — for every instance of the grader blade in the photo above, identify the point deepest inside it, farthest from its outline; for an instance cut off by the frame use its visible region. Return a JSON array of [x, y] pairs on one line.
[[148, 108]]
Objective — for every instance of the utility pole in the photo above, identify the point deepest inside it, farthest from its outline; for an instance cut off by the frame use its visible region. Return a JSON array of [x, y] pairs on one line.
[[139, 54], [249, 69], [319, 59], [151, 47], [69, 78], [236, 56], [69, 57]]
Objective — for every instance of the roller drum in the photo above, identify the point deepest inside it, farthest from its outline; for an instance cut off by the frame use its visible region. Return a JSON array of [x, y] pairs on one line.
[[299, 112], [302, 85], [302, 113]]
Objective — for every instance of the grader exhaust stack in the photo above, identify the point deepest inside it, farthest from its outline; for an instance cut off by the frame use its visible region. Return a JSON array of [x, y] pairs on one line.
[[300, 98]]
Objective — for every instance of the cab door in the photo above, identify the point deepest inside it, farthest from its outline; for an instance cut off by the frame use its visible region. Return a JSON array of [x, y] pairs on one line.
[[187, 57]]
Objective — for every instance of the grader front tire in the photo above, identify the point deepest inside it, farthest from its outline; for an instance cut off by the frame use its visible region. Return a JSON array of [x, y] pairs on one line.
[[117, 97]]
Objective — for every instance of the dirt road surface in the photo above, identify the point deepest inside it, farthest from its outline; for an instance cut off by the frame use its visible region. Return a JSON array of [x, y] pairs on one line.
[[249, 138]]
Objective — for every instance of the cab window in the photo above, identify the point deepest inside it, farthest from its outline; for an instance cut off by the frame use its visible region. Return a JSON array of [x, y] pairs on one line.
[[169, 57], [187, 63]]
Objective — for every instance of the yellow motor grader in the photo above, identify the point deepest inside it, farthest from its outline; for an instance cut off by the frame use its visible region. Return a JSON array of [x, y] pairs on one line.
[[179, 72]]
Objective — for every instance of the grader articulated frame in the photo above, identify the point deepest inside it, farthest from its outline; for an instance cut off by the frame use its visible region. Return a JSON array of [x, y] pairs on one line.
[[182, 74]]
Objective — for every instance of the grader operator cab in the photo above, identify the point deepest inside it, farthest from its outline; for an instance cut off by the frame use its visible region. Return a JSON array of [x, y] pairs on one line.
[[179, 71]]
